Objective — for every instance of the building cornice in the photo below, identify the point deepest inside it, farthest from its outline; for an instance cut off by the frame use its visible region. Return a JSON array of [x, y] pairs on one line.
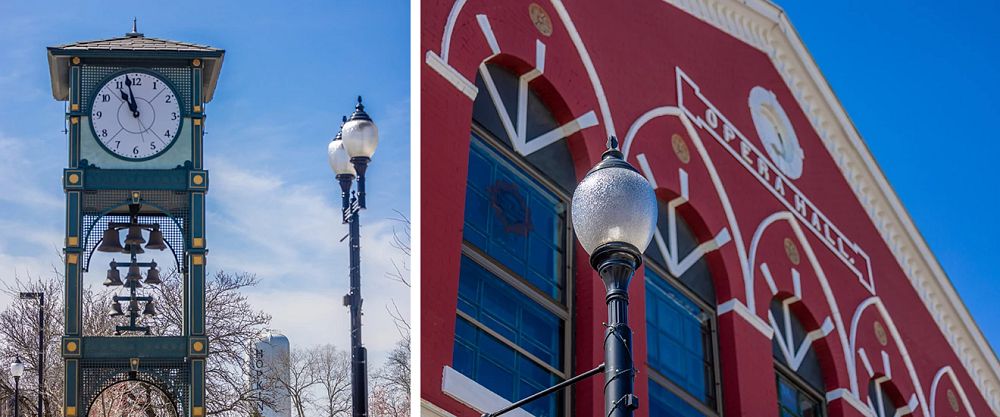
[[766, 27]]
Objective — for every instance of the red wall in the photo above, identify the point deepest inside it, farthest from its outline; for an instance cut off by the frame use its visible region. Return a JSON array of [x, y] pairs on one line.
[[636, 53]]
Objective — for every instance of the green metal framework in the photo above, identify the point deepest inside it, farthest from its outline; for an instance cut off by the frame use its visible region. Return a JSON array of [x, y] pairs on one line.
[[172, 198]]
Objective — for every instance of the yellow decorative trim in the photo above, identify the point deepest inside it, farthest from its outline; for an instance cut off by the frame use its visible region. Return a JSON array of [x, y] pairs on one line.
[[74, 178], [198, 242], [72, 258], [197, 179], [71, 346], [198, 346], [197, 411], [197, 122], [76, 61], [72, 241], [135, 194], [74, 107], [198, 259], [74, 120], [71, 411], [197, 108], [196, 62]]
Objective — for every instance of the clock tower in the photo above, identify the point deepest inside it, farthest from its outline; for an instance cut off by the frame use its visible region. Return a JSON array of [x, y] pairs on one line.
[[136, 117]]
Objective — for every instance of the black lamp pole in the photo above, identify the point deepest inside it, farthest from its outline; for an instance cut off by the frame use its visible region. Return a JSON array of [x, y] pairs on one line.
[[616, 262], [17, 394], [359, 354], [41, 341]]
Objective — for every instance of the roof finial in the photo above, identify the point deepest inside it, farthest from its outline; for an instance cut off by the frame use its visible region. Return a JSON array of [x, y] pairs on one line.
[[135, 32]]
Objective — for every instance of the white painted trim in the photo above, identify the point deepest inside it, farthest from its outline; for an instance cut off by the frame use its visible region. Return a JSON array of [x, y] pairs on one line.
[[736, 306], [946, 370], [454, 77], [470, 393], [850, 399], [429, 409]]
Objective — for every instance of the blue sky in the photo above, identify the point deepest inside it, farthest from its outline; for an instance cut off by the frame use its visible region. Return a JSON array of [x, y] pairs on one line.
[[290, 72], [920, 82]]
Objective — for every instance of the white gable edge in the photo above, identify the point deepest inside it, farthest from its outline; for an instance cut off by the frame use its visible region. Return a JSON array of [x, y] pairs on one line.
[[765, 26]]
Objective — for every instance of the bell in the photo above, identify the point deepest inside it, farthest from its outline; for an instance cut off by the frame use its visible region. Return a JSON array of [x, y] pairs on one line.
[[128, 249], [153, 275], [110, 241], [156, 240], [133, 306], [134, 236], [134, 276], [114, 277], [149, 310], [116, 309]]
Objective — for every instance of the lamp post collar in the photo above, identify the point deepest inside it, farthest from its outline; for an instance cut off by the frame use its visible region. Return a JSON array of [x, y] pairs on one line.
[[359, 112], [612, 158]]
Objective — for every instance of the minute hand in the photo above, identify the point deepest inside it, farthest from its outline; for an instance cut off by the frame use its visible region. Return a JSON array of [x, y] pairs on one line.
[[131, 103]]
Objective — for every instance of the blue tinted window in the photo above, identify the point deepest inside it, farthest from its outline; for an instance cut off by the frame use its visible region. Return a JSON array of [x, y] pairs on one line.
[[514, 220], [663, 403], [501, 369], [501, 308], [794, 402], [678, 339]]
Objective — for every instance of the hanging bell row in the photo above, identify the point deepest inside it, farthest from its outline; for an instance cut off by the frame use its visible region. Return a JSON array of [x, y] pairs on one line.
[[133, 308], [133, 240], [134, 276]]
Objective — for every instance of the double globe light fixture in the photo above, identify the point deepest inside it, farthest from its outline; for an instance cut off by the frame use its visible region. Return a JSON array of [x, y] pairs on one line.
[[134, 242], [349, 154]]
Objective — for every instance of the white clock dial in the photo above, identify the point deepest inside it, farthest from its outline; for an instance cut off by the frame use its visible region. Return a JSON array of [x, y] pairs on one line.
[[135, 115], [775, 132]]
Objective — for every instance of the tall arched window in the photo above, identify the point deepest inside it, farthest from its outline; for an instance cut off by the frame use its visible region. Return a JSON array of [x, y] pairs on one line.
[[799, 380], [680, 328], [513, 319]]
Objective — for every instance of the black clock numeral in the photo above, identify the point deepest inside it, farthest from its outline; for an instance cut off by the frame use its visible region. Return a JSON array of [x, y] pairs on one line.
[[98, 114], [166, 134], [105, 98], [154, 85], [104, 133], [173, 115], [118, 144], [135, 150], [118, 84], [137, 81], [169, 97], [152, 145]]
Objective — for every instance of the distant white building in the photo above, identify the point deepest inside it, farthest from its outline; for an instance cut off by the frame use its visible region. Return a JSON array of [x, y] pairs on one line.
[[269, 362]]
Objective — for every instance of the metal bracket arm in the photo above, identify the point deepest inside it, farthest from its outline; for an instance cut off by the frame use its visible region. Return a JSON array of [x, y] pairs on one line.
[[547, 391]]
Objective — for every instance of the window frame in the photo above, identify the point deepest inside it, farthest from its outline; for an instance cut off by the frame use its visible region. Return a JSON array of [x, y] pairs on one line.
[[783, 371], [561, 309], [663, 380]]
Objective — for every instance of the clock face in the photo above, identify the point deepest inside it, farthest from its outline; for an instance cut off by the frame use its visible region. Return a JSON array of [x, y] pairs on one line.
[[776, 133], [135, 115]]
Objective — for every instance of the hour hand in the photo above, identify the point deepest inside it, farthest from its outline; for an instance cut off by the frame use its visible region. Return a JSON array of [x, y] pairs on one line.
[[131, 103]]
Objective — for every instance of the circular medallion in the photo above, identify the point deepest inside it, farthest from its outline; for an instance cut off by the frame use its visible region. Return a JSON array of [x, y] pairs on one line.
[[952, 400], [71, 347], [198, 346], [883, 339], [198, 179], [74, 178], [776, 132], [680, 148], [792, 251], [540, 19]]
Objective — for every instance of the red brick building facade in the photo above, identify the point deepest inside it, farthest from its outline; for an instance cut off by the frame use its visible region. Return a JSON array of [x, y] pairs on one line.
[[784, 274]]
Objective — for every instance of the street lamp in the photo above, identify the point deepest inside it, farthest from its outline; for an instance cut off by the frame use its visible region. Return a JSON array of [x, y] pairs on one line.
[[349, 154], [16, 370], [41, 341], [614, 215]]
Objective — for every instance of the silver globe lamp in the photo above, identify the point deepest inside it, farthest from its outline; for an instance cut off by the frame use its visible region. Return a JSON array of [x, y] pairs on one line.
[[360, 137], [614, 215]]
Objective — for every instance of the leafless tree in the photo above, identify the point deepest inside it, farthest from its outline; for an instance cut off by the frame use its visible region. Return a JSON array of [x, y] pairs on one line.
[[332, 370], [298, 382], [232, 325]]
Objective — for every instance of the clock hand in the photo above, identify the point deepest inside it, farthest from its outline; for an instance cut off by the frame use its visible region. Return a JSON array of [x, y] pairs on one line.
[[132, 104], [131, 107]]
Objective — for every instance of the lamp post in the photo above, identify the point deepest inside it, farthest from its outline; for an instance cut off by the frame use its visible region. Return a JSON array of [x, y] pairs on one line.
[[614, 215], [41, 341], [16, 370], [349, 154]]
